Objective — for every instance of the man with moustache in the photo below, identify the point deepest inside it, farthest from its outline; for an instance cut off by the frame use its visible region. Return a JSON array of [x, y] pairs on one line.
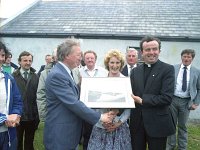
[[27, 81], [186, 97]]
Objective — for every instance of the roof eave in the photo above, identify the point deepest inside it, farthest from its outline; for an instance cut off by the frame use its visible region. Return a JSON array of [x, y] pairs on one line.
[[97, 36]]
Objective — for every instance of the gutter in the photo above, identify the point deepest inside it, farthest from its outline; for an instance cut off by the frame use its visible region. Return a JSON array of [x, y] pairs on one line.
[[97, 36]]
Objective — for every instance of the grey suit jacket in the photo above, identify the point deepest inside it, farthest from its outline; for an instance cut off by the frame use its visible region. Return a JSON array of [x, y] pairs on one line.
[[64, 111], [194, 84]]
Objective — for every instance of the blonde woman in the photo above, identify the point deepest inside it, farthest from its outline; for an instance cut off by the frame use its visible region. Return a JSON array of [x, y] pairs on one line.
[[115, 136]]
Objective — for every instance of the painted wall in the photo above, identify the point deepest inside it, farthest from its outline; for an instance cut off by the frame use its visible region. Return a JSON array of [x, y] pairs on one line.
[[39, 47]]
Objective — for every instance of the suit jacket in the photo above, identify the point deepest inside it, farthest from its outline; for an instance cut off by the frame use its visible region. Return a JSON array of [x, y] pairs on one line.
[[125, 70], [194, 84], [157, 97], [41, 69], [64, 111]]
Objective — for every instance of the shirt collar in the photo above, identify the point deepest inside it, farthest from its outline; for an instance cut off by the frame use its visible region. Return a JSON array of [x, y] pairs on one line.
[[188, 67], [86, 68], [129, 66], [22, 71]]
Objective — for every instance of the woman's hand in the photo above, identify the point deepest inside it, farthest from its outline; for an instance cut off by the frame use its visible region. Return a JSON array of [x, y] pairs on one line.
[[112, 126]]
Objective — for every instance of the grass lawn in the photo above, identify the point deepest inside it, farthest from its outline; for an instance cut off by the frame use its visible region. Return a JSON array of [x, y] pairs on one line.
[[193, 137]]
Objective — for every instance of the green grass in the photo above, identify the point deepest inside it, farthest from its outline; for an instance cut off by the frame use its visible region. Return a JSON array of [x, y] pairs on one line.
[[193, 137]]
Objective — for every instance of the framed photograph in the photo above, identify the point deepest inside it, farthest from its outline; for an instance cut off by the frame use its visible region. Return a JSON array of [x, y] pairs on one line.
[[107, 92]]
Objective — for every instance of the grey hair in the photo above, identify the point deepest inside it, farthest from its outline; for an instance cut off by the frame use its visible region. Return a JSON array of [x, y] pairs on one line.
[[65, 48], [131, 49]]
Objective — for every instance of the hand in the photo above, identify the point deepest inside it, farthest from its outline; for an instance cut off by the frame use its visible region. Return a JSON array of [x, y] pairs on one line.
[[114, 111], [137, 99], [107, 117], [112, 126], [12, 120], [194, 106]]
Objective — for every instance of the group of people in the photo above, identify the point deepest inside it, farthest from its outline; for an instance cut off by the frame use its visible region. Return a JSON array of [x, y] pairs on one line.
[[18, 108], [163, 96]]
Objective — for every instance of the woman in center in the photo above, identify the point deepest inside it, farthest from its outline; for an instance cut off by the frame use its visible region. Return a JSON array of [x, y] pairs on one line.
[[114, 136]]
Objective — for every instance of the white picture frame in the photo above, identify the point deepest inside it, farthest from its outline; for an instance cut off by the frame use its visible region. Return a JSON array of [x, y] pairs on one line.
[[107, 92]]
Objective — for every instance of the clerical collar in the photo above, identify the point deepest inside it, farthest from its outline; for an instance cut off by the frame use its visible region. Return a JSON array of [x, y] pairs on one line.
[[148, 65]]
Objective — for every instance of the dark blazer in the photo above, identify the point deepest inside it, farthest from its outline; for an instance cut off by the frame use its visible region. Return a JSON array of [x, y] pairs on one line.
[[28, 90], [64, 111], [41, 69], [157, 97], [125, 70]]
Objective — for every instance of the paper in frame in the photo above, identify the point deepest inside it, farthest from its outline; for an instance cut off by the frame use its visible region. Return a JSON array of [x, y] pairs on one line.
[[107, 92]]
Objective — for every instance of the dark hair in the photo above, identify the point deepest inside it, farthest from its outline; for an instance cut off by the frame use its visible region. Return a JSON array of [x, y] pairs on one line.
[[2, 46], [149, 38], [24, 53], [8, 54], [188, 51]]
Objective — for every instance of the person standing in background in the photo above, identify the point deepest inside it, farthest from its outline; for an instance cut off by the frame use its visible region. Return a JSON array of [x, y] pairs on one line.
[[131, 60], [27, 81], [186, 97], [8, 66], [10, 106], [152, 84], [90, 70], [41, 94], [48, 59]]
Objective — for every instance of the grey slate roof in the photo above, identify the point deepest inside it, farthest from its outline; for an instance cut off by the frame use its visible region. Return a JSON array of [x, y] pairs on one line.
[[162, 18]]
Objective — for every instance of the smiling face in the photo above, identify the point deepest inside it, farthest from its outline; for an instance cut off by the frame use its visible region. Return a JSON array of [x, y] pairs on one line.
[[26, 62], [150, 52], [114, 66], [90, 60], [74, 58]]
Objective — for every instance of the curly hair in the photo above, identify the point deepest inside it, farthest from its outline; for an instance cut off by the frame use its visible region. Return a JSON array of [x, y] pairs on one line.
[[114, 53]]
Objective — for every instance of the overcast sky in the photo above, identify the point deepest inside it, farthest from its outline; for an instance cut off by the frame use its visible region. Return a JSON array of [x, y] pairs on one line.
[[9, 8]]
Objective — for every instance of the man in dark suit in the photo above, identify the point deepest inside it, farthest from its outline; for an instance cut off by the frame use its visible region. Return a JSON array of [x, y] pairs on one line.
[[65, 111], [186, 97], [152, 86], [131, 59]]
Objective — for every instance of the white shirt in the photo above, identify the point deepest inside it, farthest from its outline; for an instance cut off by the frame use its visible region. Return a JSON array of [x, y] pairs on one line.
[[22, 72], [96, 72], [178, 87], [3, 107], [130, 68]]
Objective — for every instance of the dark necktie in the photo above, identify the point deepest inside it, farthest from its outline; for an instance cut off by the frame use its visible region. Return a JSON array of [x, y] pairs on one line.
[[131, 67], [25, 75], [72, 75], [184, 84]]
